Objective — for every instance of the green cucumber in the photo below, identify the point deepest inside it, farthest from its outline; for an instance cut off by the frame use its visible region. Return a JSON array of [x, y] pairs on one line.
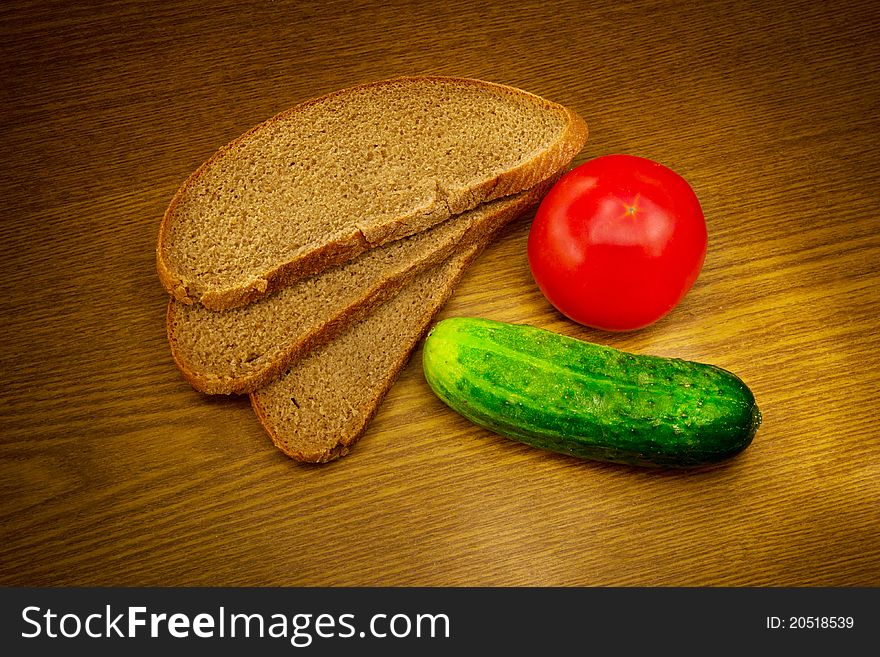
[[590, 401]]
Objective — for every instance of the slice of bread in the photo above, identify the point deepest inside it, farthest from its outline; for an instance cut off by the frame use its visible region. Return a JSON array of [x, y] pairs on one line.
[[317, 411], [239, 350], [328, 179]]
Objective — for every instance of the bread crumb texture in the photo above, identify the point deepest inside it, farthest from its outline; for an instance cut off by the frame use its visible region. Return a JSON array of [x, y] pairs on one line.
[[237, 350], [318, 410], [341, 167]]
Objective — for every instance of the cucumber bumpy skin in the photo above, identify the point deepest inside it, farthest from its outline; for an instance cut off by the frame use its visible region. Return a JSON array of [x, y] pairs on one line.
[[590, 401]]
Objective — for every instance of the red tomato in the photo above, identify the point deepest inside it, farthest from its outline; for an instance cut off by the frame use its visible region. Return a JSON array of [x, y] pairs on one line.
[[617, 242]]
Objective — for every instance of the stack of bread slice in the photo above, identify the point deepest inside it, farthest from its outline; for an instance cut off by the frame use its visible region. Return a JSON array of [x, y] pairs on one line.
[[307, 258]]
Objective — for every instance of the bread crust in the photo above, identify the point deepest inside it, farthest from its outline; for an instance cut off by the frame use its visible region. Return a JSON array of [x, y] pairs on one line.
[[211, 383], [337, 251], [367, 410]]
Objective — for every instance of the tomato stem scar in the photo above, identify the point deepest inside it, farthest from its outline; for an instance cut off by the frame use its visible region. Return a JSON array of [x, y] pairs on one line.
[[632, 206]]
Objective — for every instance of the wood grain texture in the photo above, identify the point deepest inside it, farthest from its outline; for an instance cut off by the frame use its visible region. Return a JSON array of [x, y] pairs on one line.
[[114, 471]]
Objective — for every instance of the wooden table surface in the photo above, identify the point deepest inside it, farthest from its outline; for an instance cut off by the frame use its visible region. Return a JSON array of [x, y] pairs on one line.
[[114, 471]]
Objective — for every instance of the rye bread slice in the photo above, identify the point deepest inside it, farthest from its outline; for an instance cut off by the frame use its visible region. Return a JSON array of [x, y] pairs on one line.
[[324, 181], [242, 349], [317, 412]]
